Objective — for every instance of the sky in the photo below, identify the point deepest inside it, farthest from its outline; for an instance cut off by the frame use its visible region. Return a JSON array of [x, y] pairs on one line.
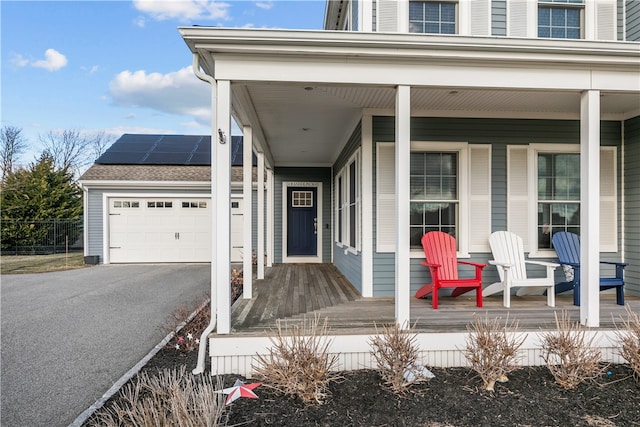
[[118, 66]]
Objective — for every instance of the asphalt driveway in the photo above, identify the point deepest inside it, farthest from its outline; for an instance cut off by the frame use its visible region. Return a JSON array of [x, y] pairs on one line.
[[68, 336]]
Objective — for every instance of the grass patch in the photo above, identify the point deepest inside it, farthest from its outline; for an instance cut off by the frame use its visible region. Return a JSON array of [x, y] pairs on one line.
[[21, 264]]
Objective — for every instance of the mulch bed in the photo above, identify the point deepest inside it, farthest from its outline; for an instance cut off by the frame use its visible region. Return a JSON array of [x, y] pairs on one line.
[[453, 398]]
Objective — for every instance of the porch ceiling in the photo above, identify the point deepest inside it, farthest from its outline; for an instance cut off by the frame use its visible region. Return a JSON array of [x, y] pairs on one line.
[[307, 124]]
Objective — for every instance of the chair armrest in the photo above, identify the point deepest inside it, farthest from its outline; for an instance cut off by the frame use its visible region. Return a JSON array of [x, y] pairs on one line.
[[430, 264], [500, 263], [475, 264], [543, 263], [619, 264]]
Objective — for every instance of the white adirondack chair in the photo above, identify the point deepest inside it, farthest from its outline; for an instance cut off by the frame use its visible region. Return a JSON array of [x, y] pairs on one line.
[[508, 254]]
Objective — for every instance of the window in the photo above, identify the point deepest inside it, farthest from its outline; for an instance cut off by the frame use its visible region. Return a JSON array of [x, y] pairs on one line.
[[126, 204], [558, 195], [434, 200], [449, 190], [302, 199], [560, 19], [348, 204], [159, 204], [194, 205], [432, 17], [543, 195]]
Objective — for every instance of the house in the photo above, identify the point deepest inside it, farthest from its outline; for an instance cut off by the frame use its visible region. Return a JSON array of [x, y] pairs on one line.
[[466, 116], [147, 199]]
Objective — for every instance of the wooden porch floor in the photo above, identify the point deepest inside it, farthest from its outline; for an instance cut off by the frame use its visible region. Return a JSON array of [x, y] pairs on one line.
[[294, 292]]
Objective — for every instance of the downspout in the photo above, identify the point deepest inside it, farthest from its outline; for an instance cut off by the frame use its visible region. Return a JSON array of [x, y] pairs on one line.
[[202, 348]]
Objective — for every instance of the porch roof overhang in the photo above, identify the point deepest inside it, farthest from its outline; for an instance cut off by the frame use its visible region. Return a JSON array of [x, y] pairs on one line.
[[304, 91]]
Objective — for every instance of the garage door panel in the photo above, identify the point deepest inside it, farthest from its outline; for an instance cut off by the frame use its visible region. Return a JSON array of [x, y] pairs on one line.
[[166, 230]]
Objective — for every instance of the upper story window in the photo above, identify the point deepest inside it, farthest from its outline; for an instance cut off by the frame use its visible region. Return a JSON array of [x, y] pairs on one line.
[[432, 17], [560, 19]]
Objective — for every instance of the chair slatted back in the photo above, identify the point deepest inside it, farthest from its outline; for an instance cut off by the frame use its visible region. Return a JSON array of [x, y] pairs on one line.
[[567, 246], [440, 248], [507, 247]]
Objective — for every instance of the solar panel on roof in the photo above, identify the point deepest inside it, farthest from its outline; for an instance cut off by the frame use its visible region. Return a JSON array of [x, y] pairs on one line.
[[134, 149]]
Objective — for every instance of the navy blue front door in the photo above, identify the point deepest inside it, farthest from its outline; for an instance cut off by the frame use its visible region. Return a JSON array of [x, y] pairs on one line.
[[302, 221]]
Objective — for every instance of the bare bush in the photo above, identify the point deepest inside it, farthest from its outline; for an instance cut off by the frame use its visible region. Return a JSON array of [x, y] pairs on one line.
[[298, 362], [173, 398], [397, 357], [570, 356], [629, 337], [187, 323], [492, 349]]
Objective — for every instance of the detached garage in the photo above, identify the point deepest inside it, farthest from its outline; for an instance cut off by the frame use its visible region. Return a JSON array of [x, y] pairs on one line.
[[147, 199]]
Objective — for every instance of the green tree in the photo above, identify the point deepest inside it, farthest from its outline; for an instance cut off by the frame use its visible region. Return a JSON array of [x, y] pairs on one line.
[[39, 192]]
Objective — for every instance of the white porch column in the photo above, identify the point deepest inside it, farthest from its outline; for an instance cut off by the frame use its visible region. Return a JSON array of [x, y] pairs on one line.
[[590, 208], [260, 215], [367, 205], [270, 212], [403, 151], [221, 194], [247, 220]]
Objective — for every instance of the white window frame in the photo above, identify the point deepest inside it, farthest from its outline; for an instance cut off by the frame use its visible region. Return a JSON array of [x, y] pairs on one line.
[[457, 6], [464, 226], [343, 211], [534, 150], [562, 5]]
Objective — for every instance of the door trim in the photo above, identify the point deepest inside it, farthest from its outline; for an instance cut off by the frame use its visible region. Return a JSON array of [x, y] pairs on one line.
[[303, 259]]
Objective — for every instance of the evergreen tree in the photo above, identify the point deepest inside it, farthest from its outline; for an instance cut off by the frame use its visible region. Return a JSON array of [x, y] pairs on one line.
[[39, 192]]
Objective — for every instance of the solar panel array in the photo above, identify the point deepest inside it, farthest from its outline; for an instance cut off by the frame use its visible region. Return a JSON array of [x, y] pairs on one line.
[[185, 150]]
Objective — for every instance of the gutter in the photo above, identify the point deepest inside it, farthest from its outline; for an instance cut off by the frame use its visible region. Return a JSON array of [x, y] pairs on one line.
[[202, 348]]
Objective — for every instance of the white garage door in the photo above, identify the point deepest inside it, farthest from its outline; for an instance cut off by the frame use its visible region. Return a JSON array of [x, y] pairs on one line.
[[159, 230]]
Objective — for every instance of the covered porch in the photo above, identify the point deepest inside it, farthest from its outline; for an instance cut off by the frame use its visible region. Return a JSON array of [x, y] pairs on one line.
[[293, 292], [320, 289]]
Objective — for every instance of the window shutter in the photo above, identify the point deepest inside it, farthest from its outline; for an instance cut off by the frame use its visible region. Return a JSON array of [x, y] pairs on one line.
[[608, 197], [387, 16], [606, 19], [385, 198], [479, 197], [480, 13], [517, 18], [518, 192]]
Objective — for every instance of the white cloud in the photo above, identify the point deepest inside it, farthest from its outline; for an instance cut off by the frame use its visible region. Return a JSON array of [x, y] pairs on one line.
[[19, 61], [183, 9], [265, 4], [179, 93], [53, 61]]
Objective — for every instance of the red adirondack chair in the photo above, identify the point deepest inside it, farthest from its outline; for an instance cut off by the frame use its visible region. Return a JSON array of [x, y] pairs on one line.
[[440, 253]]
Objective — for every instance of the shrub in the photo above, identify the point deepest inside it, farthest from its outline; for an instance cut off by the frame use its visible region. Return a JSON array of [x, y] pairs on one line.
[[187, 323], [570, 356], [298, 362], [396, 354], [629, 336], [492, 349], [173, 398]]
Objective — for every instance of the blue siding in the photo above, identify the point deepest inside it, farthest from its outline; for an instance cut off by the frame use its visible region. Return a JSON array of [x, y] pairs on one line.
[[302, 174], [499, 133], [632, 204], [632, 20], [348, 263]]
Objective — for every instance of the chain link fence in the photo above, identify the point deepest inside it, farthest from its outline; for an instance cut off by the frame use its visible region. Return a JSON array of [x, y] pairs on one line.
[[53, 236]]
